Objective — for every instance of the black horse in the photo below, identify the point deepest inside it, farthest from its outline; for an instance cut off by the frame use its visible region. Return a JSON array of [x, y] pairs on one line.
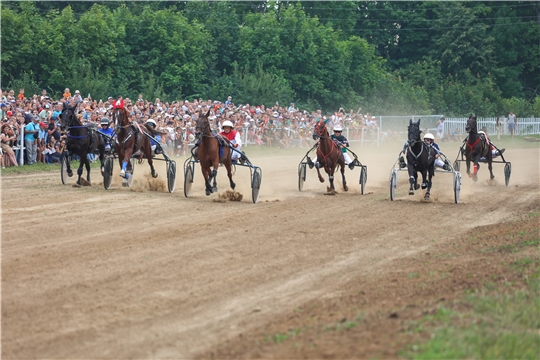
[[81, 140], [477, 147], [420, 158]]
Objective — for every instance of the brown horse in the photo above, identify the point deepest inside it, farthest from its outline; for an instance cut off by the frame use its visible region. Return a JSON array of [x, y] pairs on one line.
[[130, 139], [208, 154], [329, 156]]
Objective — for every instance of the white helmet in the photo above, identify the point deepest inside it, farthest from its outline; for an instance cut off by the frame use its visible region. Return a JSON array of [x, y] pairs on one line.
[[429, 136], [151, 122], [338, 128], [227, 123]]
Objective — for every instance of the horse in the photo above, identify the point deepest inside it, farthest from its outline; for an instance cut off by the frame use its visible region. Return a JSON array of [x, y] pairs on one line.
[[208, 153], [81, 140], [476, 148], [130, 139], [329, 156], [420, 158]]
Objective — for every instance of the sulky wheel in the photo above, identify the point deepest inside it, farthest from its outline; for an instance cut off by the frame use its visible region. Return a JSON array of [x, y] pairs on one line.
[[393, 184], [64, 168], [457, 186], [301, 176], [456, 165], [188, 178], [256, 184], [171, 176], [363, 179], [108, 172], [507, 173]]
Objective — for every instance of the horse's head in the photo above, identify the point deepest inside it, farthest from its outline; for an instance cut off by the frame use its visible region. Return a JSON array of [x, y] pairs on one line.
[[413, 132], [471, 124], [320, 130], [120, 117], [202, 125], [68, 117]]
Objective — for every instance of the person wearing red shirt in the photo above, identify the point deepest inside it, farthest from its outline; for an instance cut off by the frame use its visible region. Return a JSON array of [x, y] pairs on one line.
[[234, 137], [118, 104]]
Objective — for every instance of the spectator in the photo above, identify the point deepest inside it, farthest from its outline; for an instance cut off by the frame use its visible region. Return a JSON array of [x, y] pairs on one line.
[[512, 123], [440, 128], [31, 132], [7, 136]]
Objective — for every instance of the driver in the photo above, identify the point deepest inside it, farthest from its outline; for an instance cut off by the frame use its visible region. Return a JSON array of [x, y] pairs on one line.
[[343, 142], [150, 123], [105, 129], [234, 137], [429, 139]]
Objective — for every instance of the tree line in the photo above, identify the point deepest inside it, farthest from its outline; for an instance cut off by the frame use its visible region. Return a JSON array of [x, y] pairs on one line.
[[450, 58]]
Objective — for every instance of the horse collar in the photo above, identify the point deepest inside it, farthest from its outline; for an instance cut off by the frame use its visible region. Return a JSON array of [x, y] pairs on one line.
[[413, 154]]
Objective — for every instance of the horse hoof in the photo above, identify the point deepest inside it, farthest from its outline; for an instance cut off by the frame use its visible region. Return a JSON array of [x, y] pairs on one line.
[[321, 180], [411, 192], [214, 189], [426, 198], [125, 183], [208, 192], [154, 175], [122, 174], [416, 186], [345, 188], [424, 186], [70, 173]]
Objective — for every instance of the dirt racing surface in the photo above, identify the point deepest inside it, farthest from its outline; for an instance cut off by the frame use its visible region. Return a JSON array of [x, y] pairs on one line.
[[142, 273]]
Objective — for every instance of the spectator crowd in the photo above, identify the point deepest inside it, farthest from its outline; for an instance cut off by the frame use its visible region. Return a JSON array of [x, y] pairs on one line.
[[275, 126]]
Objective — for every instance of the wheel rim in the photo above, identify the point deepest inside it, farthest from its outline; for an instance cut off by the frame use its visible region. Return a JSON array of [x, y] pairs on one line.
[[393, 186], [301, 176], [171, 176], [107, 174], [457, 187], [362, 180], [256, 186], [63, 170], [188, 180], [507, 172]]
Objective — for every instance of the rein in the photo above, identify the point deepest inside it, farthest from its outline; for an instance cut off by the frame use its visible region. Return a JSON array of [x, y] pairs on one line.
[[421, 150]]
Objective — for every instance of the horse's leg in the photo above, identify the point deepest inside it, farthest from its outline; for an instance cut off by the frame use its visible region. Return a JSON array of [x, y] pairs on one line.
[[207, 180], [490, 167], [345, 187], [87, 164], [431, 171], [476, 166], [80, 168], [148, 154], [331, 179], [424, 182], [229, 174], [68, 163], [412, 178]]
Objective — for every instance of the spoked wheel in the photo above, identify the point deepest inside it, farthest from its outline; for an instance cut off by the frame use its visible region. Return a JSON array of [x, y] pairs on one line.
[[507, 173], [393, 184], [457, 186], [456, 165], [63, 168], [132, 171], [363, 179], [256, 184], [108, 172], [301, 176], [188, 178], [171, 175]]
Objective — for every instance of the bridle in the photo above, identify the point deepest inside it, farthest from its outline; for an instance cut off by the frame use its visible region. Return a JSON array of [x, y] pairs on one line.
[[69, 126], [414, 142]]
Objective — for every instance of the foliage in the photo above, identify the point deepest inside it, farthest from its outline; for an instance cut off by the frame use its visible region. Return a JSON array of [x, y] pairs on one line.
[[442, 57]]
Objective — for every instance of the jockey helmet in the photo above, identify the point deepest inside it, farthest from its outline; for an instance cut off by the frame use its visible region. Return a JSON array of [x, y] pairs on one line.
[[338, 128], [227, 123], [429, 136], [104, 121], [151, 122]]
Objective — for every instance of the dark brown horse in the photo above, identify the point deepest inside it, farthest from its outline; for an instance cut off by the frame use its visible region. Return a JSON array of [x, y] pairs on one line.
[[208, 153], [131, 139], [476, 148], [81, 140], [329, 156]]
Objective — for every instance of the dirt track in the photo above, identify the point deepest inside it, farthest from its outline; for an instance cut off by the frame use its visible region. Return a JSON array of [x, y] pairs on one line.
[[133, 273]]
